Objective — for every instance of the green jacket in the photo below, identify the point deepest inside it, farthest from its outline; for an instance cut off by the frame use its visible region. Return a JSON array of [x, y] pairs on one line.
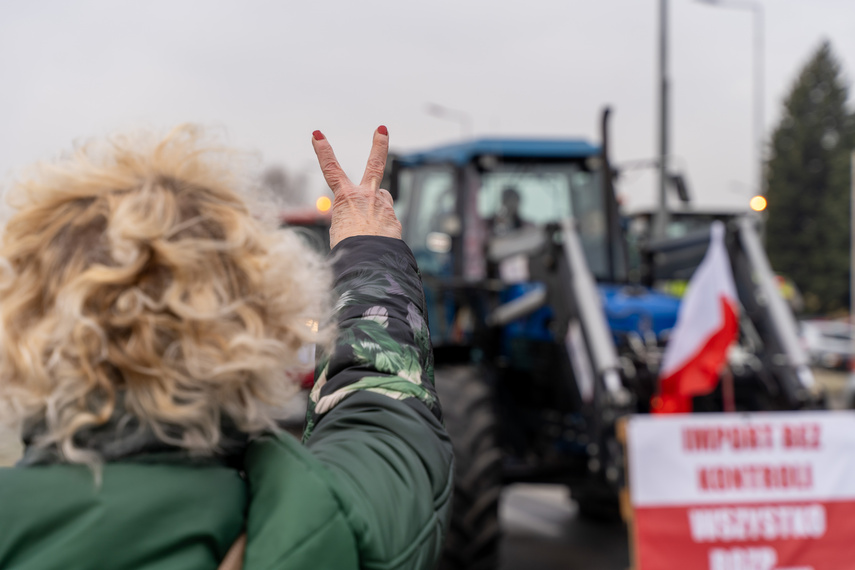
[[370, 488]]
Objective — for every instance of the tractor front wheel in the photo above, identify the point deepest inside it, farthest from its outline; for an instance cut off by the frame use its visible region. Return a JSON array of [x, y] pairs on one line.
[[470, 418]]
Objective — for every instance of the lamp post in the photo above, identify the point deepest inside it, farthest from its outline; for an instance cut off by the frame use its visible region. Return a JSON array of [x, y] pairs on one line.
[[756, 9], [660, 223], [463, 118], [849, 362]]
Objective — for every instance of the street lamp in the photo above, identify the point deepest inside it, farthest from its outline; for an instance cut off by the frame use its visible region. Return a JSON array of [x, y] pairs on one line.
[[756, 9], [660, 221], [758, 203], [463, 118]]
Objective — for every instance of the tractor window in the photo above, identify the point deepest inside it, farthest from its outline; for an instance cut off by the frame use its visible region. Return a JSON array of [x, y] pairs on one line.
[[433, 220], [513, 196], [405, 193], [591, 221], [533, 196]]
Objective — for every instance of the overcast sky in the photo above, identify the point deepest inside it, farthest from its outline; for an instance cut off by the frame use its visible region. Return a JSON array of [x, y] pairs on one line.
[[267, 73]]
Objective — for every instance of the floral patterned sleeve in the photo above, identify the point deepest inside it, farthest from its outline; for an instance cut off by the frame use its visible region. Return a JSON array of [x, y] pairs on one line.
[[383, 345]]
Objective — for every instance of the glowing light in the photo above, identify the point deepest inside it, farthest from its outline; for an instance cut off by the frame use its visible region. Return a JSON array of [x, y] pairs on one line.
[[323, 204], [758, 203]]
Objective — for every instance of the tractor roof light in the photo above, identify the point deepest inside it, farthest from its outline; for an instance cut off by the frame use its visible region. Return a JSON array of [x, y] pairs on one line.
[[323, 204], [758, 203]]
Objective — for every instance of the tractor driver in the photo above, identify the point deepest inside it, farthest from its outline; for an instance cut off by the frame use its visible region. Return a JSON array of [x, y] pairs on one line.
[[507, 219]]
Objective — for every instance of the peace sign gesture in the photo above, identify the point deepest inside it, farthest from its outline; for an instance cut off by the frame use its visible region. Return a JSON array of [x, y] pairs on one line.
[[364, 210]]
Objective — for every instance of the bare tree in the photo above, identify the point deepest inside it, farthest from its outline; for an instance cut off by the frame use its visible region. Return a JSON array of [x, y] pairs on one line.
[[288, 186]]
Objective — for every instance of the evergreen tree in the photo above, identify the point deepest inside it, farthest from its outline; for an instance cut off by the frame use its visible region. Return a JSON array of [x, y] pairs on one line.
[[807, 232]]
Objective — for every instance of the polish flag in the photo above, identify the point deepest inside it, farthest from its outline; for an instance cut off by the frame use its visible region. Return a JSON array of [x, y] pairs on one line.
[[706, 326]]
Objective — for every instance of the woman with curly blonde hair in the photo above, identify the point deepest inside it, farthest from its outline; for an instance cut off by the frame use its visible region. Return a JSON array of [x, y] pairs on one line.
[[151, 332]]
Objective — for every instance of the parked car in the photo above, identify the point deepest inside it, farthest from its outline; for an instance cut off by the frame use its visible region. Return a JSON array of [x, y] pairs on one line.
[[828, 342]]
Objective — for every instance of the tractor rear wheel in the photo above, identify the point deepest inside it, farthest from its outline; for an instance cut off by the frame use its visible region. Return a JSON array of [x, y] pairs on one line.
[[470, 418], [598, 502]]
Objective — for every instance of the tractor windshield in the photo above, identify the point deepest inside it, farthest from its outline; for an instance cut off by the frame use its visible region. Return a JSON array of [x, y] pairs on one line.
[[513, 196], [449, 213]]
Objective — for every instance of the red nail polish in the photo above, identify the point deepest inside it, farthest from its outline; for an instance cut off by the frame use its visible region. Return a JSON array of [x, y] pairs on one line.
[[383, 130], [319, 136]]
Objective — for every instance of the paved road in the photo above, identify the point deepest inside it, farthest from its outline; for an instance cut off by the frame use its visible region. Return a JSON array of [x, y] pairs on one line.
[[543, 530]]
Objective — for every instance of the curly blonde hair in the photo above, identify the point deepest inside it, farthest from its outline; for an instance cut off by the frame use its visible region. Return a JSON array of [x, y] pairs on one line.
[[134, 277]]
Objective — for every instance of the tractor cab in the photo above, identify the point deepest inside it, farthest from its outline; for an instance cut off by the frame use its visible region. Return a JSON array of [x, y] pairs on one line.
[[453, 200]]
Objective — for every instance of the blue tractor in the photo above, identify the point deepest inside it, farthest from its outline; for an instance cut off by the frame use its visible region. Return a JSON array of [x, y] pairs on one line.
[[542, 340]]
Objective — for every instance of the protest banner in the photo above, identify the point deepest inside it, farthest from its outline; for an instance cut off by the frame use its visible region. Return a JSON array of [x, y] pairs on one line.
[[761, 491]]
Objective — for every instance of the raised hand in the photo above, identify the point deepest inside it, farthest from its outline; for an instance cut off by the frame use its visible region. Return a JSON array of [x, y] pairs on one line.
[[363, 210]]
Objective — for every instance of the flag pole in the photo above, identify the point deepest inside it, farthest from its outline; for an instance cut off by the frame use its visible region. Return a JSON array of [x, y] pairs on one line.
[[851, 267], [728, 399], [660, 219]]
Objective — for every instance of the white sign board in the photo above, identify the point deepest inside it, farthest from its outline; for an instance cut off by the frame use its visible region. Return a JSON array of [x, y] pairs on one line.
[[761, 491]]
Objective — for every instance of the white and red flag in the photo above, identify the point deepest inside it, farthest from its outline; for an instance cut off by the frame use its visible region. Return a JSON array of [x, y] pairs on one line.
[[707, 324]]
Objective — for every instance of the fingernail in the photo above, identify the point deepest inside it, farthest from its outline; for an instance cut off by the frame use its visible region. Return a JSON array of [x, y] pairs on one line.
[[382, 130], [319, 136]]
